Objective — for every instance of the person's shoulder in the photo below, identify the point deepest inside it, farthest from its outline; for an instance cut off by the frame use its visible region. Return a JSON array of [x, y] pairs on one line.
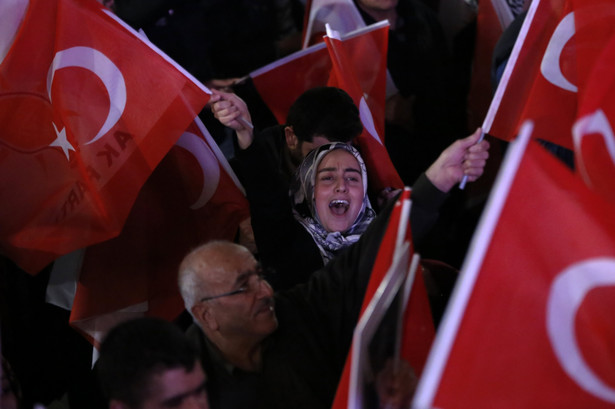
[[272, 135]]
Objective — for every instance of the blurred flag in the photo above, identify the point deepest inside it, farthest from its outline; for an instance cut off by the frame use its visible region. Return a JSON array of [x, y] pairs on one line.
[[192, 197], [530, 324], [87, 111], [594, 140], [540, 79]]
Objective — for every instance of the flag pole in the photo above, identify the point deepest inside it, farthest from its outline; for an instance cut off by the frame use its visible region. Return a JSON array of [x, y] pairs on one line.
[[503, 84]]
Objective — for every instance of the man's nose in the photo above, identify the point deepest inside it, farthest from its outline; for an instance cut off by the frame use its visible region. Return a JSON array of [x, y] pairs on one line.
[[264, 289], [341, 186]]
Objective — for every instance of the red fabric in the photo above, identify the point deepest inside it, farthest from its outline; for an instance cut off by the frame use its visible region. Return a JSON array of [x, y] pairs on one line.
[[502, 354], [366, 85], [593, 135], [279, 84], [54, 199], [189, 199], [529, 94]]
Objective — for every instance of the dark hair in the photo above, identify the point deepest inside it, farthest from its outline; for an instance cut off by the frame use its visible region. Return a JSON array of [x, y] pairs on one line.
[[134, 351], [325, 111]]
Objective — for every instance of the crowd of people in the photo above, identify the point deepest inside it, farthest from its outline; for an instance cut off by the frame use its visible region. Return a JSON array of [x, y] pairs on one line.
[[272, 327]]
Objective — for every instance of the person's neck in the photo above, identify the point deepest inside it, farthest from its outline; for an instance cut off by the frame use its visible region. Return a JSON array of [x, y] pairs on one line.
[[244, 355]]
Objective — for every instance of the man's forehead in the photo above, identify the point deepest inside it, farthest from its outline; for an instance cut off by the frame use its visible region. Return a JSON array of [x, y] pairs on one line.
[[229, 265]]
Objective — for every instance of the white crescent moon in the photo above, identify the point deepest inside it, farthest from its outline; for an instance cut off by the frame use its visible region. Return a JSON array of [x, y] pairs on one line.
[[549, 67], [368, 120], [208, 163], [596, 122], [566, 295], [112, 78]]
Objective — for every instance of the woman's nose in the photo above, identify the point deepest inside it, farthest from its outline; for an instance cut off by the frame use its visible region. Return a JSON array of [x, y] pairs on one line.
[[341, 186]]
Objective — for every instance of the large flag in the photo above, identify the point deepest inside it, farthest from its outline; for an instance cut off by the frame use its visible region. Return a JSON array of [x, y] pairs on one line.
[[530, 324], [87, 111], [343, 15], [192, 197], [540, 79], [594, 139], [416, 316], [366, 84]]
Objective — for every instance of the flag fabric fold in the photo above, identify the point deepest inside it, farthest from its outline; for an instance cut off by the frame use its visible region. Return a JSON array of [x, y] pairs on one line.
[[87, 111]]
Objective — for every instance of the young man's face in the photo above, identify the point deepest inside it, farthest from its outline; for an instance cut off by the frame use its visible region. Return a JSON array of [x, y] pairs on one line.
[[338, 190], [176, 388], [317, 141]]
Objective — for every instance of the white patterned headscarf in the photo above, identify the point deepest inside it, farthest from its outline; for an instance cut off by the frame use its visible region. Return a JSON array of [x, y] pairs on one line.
[[304, 204]]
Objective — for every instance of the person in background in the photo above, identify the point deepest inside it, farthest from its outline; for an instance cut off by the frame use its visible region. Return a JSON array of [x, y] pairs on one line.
[[148, 363]]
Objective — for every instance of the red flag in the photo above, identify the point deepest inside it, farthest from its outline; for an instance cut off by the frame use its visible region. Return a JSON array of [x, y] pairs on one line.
[[530, 324], [366, 84], [540, 79], [87, 111], [193, 196], [594, 140], [342, 15], [280, 83]]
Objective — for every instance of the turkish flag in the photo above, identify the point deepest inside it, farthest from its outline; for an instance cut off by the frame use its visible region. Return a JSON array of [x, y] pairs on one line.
[[366, 84], [540, 79], [594, 139], [192, 197], [342, 15], [531, 322], [417, 329], [87, 111]]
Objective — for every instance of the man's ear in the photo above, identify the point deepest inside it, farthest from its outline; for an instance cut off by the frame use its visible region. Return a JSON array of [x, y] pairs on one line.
[[205, 315], [291, 138]]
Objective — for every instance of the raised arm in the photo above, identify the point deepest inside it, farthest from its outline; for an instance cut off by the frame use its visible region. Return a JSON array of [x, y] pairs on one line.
[[233, 112], [464, 157]]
